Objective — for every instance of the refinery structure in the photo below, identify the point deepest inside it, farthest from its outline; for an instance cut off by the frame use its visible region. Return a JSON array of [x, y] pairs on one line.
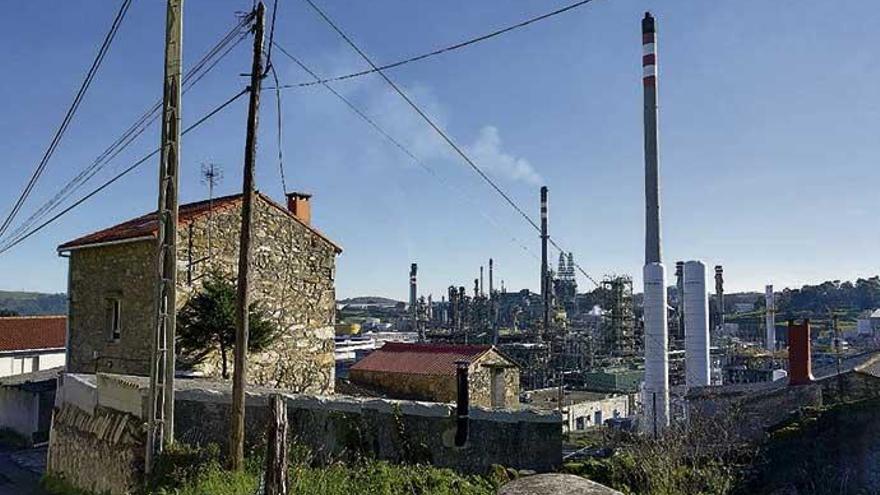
[[650, 344]]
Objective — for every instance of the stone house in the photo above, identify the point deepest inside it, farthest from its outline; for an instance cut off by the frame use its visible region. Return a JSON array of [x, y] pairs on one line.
[[111, 287], [427, 372]]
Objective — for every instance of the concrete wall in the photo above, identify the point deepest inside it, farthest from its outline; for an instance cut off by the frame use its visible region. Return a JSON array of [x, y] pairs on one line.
[[24, 362], [19, 410], [399, 431], [293, 278], [582, 415]]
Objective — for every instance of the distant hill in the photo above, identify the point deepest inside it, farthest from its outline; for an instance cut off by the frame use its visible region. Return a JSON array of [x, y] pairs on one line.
[[33, 303], [368, 300]]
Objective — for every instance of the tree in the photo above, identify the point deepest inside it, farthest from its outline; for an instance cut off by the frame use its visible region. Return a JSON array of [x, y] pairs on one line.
[[207, 323], [8, 312]]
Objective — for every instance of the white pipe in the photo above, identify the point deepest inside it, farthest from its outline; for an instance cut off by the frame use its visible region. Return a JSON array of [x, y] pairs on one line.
[[655, 398], [770, 322], [696, 316]]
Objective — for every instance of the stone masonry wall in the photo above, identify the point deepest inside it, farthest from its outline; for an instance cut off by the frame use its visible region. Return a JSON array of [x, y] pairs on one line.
[[101, 452], [293, 278], [124, 272], [480, 381], [398, 431]]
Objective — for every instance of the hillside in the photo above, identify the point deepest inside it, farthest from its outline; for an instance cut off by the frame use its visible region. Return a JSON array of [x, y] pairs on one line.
[[368, 300], [33, 303]]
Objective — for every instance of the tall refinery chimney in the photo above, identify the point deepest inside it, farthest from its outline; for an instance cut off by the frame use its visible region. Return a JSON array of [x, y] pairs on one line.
[[481, 280], [679, 286], [413, 269], [719, 296], [696, 315], [490, 278], [655, 397], [770, 322], [545, 289]]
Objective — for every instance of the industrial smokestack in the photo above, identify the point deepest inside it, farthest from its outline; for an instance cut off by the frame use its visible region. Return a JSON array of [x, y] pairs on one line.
[[413, 269], [656, 387], [481, 281], [679, 286], [696, 314], [770, 322], [719, 296], [491, 287], [545, 289], [800, 365]]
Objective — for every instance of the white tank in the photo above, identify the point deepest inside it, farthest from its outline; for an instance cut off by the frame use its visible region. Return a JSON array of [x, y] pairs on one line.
[[770, 323], [655, 392], [696, 325]]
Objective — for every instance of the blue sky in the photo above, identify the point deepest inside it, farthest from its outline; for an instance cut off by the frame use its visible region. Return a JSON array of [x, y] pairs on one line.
[[769, 134]]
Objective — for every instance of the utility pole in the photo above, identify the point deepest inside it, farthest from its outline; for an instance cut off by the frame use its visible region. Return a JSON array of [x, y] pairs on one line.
[[545, 289], [239, 377], [160, 426]]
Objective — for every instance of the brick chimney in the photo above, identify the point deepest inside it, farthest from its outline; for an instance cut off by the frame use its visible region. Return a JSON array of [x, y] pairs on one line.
[[300, 205], [800, 367]]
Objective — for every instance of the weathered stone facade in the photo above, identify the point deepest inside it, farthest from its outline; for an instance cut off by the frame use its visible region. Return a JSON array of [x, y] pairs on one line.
[[293, 280], [102, 452], [493, 382]]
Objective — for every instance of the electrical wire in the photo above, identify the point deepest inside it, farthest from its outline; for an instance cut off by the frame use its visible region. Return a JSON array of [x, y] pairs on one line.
[[360, 113], [434, 126], [71, 112], [204, 66], [443, 50], [124, 172]]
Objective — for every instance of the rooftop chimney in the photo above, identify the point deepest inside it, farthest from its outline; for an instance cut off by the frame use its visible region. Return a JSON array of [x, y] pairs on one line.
[[300, 205], [800, 367]]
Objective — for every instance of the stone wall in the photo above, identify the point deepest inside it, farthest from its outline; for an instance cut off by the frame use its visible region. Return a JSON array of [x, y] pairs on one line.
[[753, 411], [398, 431], [443, 388], [293, 280], [101, 452], [122, 271]]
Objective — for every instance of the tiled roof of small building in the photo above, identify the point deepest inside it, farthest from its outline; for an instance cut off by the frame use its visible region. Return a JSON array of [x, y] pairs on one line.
[[419, 359], [147, 225], [22, 333]]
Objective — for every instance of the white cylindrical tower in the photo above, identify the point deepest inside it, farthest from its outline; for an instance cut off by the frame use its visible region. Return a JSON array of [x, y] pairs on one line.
[[770, 323], [655, 393], [696, 316]]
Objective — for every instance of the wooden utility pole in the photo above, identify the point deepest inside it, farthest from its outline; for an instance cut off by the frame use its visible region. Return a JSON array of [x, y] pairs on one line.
[[277, 447], [239, 375], [161, 404]]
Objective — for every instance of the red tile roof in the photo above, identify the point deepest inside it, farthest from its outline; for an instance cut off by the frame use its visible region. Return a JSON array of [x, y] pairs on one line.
[[419, 359], [21, 333], [147, 226]]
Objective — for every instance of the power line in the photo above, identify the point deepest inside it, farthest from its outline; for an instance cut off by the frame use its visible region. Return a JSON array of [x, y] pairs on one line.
[[424, 116], [443, 50], [118, 176], [218, 52], [433, 125], [360, 113], [68, 117]]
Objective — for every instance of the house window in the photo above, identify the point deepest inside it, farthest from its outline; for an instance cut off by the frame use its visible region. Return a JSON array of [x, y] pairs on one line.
[[114, 317]]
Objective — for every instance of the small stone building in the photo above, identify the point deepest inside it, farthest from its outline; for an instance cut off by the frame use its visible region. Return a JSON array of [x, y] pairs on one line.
[[112, 288], [428, 372]]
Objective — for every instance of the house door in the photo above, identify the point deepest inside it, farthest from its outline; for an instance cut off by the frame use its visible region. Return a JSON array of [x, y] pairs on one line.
[[497, 388], [597, 418]]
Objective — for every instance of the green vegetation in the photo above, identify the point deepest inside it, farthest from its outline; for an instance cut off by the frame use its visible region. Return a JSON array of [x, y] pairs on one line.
[[186, 470], [33, 303], [207, 323]]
